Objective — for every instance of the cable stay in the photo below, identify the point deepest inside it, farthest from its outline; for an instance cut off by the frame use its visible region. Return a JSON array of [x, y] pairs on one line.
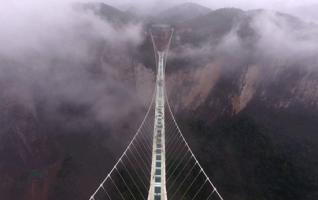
[[130, 176], [158, 163], [186, 179]]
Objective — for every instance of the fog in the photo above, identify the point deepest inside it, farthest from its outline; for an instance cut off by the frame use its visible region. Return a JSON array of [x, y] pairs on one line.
[[276, 38], [48, 50], [267, 38], [281, 40], [47, 47], [63, 64]]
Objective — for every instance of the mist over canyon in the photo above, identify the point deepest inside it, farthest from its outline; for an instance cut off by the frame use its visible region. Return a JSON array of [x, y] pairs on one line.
[[76, 80]]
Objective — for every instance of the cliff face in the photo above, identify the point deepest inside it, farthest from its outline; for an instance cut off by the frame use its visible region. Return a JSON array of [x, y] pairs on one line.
[[278, 89], [252, 106], [242, 54], [196, 86], [251, 132]]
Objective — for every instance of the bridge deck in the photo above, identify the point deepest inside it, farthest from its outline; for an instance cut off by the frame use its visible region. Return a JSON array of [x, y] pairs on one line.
[[157, 189]]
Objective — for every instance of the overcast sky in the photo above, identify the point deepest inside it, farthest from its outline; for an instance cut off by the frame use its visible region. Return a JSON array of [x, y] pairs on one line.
[[245, 4]]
